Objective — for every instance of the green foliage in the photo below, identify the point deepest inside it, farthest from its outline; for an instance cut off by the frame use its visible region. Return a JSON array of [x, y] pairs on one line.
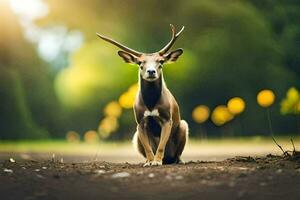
[[283, 18], [231, 48], [28, 107], [17, 121], [94, 75]]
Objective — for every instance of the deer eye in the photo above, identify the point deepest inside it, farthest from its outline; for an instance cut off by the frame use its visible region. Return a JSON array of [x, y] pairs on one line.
[[141, 67], [161, 62]]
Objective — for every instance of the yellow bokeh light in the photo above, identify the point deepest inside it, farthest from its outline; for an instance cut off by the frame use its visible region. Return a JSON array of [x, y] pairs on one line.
[[293, 94], [91, 136], [76, 85], [107, 126], [126, 100], [291, 103], [200, 113], [265, 98], [113, 109], [236, 105], [85, 79], [134, 88], [221, 115], [72, 136]]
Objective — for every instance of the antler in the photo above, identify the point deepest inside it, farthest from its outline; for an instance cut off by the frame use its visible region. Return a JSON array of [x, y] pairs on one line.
[[127, 49], [170, 44]]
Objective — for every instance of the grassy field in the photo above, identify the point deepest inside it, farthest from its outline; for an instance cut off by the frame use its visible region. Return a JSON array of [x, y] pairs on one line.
[[210, 149], [84, 147]]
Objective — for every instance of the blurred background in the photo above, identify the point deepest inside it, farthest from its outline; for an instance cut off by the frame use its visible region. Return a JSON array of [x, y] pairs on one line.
[[59, 81]]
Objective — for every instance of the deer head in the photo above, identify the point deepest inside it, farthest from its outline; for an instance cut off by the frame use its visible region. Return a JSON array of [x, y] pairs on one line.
[[150, 64]]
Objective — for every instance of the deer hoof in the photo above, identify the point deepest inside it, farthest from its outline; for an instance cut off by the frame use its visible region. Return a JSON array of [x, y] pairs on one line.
[[180, 161], [147, 164], [156, 163]]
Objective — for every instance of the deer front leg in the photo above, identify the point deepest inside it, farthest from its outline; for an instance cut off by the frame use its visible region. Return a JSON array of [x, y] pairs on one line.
[[143, 137], [164, 137]]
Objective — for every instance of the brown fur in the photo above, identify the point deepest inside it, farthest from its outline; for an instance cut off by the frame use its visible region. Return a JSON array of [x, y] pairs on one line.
[[168, 113]]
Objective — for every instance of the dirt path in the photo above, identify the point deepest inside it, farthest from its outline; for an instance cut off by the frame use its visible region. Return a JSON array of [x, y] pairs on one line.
[[238, 178]]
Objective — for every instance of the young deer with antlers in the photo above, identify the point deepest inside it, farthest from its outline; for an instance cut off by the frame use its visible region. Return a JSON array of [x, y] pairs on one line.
[[159, 126]]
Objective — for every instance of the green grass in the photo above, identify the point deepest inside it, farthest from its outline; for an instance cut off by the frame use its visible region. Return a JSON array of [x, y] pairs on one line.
[[58, 146], [62, 146]]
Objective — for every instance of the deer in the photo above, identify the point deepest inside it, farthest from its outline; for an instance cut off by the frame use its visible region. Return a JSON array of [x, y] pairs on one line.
[[161, 134]]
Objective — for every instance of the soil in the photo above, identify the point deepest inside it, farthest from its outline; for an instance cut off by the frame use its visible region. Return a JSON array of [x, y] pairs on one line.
[[269, 177]]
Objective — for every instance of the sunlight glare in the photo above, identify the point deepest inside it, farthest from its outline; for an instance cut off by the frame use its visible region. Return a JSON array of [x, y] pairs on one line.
[[29, 9]]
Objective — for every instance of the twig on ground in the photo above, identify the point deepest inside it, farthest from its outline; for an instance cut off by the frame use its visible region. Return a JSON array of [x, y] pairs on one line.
[[280, 147], [291, 155], [272, 133], [294, 149]]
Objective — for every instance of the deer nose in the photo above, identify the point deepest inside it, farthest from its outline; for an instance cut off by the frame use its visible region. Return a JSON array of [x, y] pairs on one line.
[[151, 71]]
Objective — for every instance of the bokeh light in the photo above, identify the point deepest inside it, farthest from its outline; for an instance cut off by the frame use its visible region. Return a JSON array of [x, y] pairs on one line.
[[72, 136], [236, 105], [107, 126], [291, 103], [200, 113], [126, 99], [30, 9], [75, 85], [221, 115], [113, 109], [91, 136], [133, 89], [265, 98], [88, 80]]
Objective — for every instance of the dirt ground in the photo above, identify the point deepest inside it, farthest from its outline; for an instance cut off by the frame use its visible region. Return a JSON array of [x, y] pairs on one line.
[[269, 177]]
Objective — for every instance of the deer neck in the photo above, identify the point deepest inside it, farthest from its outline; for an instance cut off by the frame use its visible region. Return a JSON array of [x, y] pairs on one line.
[[151, 91]]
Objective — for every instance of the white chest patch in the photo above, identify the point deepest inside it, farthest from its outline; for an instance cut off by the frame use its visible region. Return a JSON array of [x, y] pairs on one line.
[[152, 113]]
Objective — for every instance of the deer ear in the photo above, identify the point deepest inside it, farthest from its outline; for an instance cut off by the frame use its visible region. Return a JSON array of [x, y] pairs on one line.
[[173, 55], [127, 57]]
